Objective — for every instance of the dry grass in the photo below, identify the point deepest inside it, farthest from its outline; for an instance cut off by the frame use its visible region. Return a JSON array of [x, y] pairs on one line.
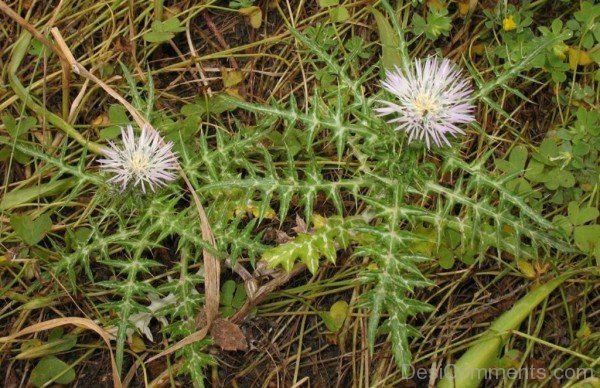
[[289, 343]]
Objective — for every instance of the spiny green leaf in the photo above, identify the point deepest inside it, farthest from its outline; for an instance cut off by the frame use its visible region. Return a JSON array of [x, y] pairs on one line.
[[309, 248]]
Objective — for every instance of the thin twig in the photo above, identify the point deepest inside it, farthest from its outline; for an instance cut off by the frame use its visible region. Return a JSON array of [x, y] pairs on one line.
[[29, 27]]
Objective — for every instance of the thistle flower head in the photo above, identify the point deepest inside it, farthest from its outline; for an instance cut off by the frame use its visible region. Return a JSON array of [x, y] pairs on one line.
[[143, 160], [432, 99]]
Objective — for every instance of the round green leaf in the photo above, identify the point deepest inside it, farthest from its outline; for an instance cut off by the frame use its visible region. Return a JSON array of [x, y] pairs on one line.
[[29, 230], [51, 368]]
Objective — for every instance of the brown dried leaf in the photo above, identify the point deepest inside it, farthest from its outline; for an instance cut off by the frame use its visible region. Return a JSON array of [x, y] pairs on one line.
[[301, 226], [122, 45], [228, 336], [538, 369], [282, 237]]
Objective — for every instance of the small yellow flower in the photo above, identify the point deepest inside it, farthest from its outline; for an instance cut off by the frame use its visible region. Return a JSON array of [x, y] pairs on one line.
[[509, 24], [578, 57], [463, 8]]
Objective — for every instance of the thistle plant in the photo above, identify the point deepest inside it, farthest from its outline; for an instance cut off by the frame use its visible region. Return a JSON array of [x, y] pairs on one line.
[[391, 173], [365, 168]]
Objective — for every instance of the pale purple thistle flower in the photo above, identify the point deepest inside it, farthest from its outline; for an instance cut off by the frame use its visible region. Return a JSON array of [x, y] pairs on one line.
[[140, 161], [433, 98]]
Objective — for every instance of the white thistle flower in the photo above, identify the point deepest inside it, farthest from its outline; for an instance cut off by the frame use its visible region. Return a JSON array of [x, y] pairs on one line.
[[433, 98], [142, 161]]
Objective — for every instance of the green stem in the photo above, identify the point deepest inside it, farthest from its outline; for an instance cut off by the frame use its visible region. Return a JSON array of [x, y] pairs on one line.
[[470, 368], [158, 10], [18, 54]]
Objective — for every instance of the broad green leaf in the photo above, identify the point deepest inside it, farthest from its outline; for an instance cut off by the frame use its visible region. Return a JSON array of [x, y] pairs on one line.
[[16, 129], [503, 165], [581, 149], [158, 36], [468, 257], [519, 186], [83, 234], [526, 269], [453, 238], [20, 157], [552, 179], [48, 368], [29, 230], [37, 48], [535, 171], [172, 25], [227, 291], [518, 158], [587, 237], [118, 115], [231, 77], [584, 331], [563, 223], [239, 298], [390, 45], [233, 297], [137, 344], [21, 196], [208, 105], [338, 313], [548, 150], [55, 334], [109, 133], [163, 31], [51, 347], [445, 258], [5, 153], [339, 14], [565, 178], [438, 23], [579, 216]]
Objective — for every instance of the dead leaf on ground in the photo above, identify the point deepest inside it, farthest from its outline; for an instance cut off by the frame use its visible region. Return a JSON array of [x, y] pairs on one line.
[[538, 369], [122, 45], [301, 226], [228, 336], [282, 237]]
